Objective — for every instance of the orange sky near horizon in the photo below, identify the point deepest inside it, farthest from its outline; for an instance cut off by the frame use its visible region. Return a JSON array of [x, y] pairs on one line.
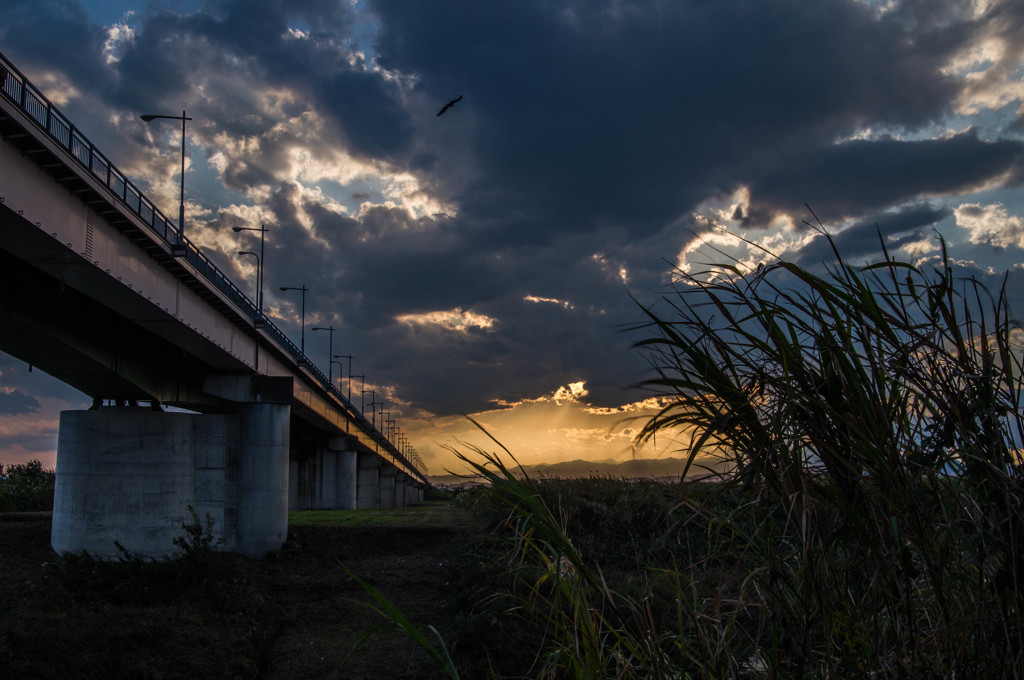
[[552, 428]]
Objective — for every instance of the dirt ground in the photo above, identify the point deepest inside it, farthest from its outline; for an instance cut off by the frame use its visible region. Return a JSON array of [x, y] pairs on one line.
[[309, 612]]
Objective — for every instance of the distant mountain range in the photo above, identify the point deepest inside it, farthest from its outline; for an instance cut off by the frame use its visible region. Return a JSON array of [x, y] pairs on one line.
[[637, 468]]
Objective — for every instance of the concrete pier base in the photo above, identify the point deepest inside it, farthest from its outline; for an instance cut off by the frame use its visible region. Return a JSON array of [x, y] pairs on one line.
[[124, 476], [130, 476]]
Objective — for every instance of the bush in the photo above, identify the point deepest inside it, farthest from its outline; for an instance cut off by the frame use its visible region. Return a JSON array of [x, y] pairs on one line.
[[26, 487]]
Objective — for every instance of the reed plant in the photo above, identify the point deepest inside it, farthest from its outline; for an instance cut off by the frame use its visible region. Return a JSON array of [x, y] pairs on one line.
[[874, 412]]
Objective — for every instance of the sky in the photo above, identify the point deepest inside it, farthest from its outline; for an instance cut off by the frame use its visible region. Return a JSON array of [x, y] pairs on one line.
[[489, 261]]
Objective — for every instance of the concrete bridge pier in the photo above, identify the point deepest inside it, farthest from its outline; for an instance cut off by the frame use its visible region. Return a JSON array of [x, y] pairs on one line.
[[401, 499], [346, 474], [263, 478], [368, 492], [388, 473], [129, 475], [411, 491]]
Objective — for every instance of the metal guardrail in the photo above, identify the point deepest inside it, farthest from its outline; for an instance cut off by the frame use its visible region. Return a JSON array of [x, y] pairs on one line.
[[18, 89]]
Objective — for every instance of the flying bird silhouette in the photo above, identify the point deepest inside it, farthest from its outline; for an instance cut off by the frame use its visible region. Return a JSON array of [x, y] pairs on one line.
[[449, 105]]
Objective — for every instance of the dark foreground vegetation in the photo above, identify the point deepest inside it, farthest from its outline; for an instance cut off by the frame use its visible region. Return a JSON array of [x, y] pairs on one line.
[[871, 526], [26, 487]]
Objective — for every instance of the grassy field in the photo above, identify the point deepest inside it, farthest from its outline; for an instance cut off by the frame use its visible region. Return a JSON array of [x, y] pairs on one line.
[[427, 513]]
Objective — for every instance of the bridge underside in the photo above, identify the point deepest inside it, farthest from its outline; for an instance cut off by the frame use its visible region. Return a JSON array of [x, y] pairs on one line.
[[48, 323]]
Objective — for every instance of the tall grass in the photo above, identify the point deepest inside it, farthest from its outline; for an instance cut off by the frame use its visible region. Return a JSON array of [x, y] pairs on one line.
[[876, 411], [873, 526]]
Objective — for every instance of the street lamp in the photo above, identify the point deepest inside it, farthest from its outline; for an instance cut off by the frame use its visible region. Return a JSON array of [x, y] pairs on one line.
[[362, 386], [302, 337], [373, 395], [177, 249], [349, 357], [373, 416], [330, 351], [260, 323], [259, 271]]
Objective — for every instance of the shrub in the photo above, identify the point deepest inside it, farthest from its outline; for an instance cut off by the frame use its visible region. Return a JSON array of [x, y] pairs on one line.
[[26, 487]]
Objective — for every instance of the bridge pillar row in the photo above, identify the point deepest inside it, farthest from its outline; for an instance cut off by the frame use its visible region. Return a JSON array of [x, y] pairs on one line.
[[346, 479], [368, 491]]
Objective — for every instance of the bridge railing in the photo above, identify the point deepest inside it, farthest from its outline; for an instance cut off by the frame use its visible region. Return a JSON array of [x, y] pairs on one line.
[[17, 88]]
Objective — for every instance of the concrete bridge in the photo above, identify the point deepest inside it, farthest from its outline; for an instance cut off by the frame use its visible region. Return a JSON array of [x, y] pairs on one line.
[[98, 289]]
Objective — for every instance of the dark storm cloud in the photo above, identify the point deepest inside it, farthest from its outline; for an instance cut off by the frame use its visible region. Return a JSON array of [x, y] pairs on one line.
[[44, 32], [866, 237], [627, 113], [861, 176], [15, 402]]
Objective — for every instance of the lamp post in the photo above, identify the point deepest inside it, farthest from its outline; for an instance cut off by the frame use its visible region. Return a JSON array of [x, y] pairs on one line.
[[373, 395], [177, 249], [302, 337], [259, 271], [373, 415], [349, 357], [330, 350], [259, 284], [362, 385]]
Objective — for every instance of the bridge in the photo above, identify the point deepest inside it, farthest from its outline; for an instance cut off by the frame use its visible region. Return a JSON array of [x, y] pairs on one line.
[[99, 289]]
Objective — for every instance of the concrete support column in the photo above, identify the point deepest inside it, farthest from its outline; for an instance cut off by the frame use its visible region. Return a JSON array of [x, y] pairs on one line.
[[294, 498], [388, 473], [327, 490], [401, 500], [346, 481], [368, 491], [125, 476], [263, 477]]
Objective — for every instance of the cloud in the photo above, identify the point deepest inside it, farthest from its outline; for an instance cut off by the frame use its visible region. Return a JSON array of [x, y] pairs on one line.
[[990, 224], [16, 402], [450, 320], [858, 177]]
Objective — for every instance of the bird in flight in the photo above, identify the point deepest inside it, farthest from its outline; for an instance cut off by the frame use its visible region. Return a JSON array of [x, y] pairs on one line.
[[450, 105]]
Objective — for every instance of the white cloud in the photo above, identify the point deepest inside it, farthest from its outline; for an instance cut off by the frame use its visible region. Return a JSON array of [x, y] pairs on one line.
[[991, 69], [119, 36], [990, 224], [571, 392]]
